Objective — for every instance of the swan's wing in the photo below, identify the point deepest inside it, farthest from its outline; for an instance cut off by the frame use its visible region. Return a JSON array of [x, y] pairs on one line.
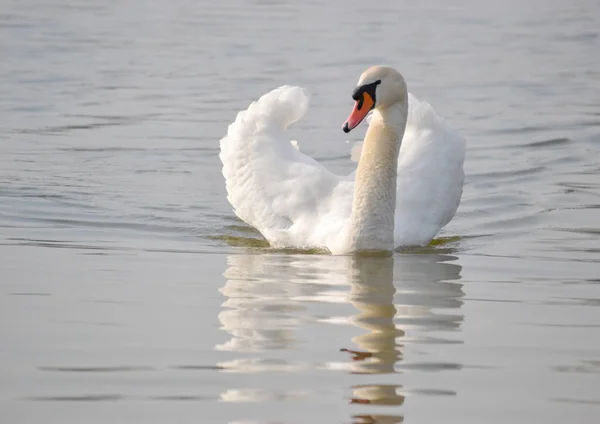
[[430, 176], [286, 195]]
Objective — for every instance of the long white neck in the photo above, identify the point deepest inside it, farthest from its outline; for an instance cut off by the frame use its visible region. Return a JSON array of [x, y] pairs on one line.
[[374, 203]]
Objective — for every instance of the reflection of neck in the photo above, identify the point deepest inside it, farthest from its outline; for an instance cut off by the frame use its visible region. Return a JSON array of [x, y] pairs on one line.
[[372, 293], [374, 203]]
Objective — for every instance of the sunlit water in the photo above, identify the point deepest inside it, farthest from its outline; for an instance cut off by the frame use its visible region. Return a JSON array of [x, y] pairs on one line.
[[129, 292]]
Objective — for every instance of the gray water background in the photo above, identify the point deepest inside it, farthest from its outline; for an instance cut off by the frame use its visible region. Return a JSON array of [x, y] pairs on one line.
[[129, 292]]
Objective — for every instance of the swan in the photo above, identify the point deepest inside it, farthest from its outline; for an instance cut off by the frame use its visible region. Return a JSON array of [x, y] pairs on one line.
[[407, 185]]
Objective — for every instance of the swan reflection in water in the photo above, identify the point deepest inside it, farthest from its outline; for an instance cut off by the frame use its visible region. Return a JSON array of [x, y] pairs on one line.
[[270, 297]]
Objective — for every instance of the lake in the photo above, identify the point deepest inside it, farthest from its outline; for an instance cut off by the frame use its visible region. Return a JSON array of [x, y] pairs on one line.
[[130, 292]]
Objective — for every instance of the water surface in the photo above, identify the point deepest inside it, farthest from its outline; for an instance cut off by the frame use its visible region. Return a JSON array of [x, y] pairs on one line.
[[129, 292]]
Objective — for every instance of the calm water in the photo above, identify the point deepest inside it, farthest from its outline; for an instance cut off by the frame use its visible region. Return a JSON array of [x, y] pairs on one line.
[[129, 292]]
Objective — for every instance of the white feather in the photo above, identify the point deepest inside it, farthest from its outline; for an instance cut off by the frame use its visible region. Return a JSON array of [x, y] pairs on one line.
[[294, 201]]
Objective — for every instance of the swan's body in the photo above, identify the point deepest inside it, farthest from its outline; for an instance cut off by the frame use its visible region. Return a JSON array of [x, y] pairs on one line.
[[407, 186]]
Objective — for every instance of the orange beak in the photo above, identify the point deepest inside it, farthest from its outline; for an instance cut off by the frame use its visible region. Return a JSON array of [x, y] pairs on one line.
[[361, 108]]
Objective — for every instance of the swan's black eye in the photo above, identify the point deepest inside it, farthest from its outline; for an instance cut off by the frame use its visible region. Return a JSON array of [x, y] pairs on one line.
[[360, 102], [365, 88]]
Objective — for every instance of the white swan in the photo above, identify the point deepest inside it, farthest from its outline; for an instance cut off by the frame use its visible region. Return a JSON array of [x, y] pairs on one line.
[[407, 186]]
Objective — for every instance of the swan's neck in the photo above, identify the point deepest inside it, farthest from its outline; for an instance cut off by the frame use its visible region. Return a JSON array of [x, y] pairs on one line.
[[374, 202]]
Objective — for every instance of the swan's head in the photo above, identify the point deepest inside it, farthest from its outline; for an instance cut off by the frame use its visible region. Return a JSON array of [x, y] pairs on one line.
[[379, 87]]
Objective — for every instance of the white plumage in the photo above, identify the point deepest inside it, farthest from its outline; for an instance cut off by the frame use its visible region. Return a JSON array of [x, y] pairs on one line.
[[294, 201]]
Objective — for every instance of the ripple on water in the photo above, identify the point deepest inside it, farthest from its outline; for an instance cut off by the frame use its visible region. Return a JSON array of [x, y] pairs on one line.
[[560, 141], [118, 369], [79, 398]]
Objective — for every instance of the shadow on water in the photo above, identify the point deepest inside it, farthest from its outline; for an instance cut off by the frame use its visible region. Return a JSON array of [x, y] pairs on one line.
[[397, 302], [242, 235]]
